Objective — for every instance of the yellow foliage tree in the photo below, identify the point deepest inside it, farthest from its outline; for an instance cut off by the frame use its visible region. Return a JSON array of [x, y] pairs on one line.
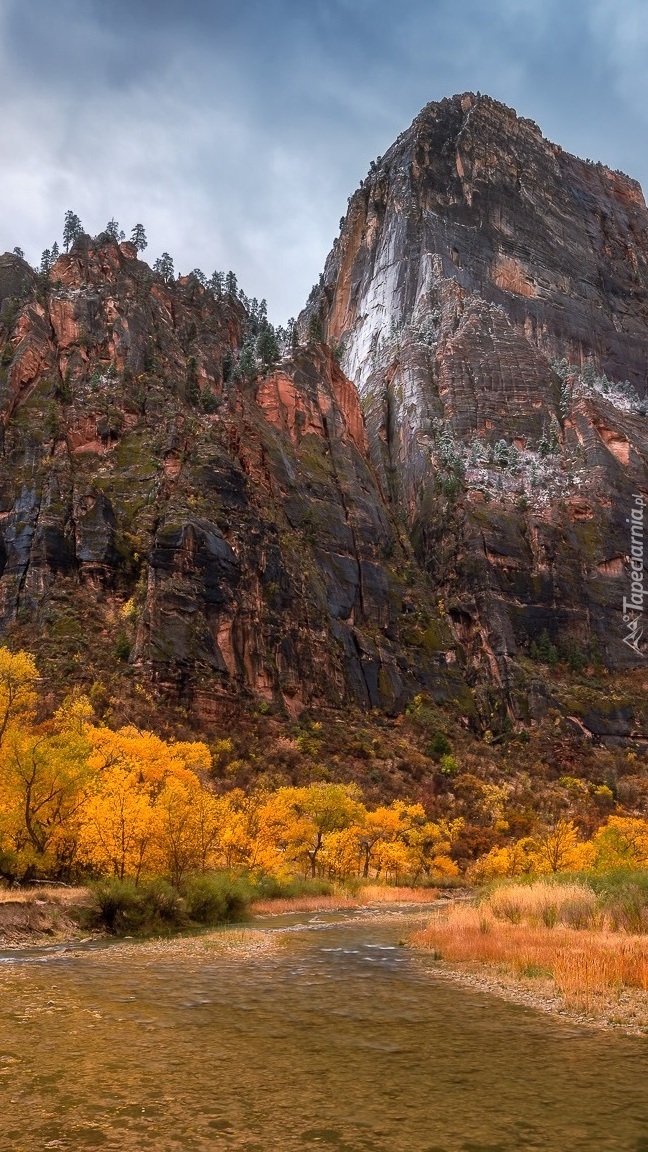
[[622, 842], [188, 827], [556, 848], [43, 785], [305, 817], [119, 826], [18, 677]]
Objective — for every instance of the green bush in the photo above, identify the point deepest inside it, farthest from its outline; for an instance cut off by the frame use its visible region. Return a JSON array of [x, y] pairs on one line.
[[271, 887], [155, 906], [126, 907], [439, 745], [122, 647], [215, 898]]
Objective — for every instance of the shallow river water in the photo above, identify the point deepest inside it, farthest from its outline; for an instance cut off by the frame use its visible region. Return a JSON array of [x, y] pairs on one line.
[[333, 1037]]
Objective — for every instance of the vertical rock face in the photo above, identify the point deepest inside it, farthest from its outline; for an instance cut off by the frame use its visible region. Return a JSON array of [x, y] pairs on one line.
[[488, 293], [232, 535]]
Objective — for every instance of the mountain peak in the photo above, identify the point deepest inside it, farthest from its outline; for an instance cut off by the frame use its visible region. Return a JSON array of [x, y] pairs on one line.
[[489, 295]]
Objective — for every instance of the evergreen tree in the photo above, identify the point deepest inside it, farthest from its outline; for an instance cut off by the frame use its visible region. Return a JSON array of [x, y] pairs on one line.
[[293, 333], [138, 238], [164, 267], [216, 283], [45, 262], [246, 364], [113, 230], [199, 275], [19, 252], [55, 252], [315, 329], [231, 286], [72, 229], [267, 345]]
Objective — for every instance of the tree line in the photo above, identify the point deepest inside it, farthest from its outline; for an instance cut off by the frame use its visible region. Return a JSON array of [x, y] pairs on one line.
[[263, 343], [79, 800]]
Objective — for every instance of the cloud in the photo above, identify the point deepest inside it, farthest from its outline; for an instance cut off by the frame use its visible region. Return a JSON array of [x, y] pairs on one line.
[[236, 131], [620, 28]]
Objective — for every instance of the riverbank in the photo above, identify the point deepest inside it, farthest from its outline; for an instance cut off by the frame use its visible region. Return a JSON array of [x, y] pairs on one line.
[[42, 915], [549, 947], [366, 896], [47, 915]]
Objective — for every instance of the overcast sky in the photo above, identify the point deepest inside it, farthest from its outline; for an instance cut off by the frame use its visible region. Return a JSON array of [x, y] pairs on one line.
[[235, 130]]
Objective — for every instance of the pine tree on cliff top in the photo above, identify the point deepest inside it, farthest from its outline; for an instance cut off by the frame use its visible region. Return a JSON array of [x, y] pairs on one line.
[[113, 230], [138, 238], [72, 229], [164, 267]]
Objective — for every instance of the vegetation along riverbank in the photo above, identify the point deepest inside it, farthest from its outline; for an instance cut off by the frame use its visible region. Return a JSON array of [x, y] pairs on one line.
[[575, 945]]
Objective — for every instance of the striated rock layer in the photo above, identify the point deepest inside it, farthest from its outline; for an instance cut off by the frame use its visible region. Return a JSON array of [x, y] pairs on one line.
[[232, 537], [488, 295]]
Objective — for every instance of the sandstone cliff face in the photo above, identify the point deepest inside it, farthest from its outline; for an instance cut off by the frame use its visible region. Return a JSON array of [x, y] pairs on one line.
[[233, 535], [489, 293]]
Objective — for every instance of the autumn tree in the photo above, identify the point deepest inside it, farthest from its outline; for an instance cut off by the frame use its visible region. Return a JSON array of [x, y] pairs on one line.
[[622, 842], [117, 836], [383, 826], [18, 678], [556, 847], [44, 777], [312, 813], [188, 828]]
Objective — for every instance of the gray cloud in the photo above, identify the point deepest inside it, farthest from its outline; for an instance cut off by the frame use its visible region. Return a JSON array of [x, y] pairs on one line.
[[236, 131]]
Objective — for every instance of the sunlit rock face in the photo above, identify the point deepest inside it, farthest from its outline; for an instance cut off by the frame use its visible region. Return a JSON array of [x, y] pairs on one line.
[[488, 295], [231, 537]]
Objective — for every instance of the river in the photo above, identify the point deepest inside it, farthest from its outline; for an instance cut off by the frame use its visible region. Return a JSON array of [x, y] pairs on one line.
[[329, 1035]]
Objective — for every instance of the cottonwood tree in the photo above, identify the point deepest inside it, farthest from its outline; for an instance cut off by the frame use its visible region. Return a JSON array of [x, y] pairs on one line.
[[18, 679]]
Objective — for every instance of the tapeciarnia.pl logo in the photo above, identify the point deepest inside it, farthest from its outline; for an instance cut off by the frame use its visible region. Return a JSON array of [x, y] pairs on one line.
[[633, 606]]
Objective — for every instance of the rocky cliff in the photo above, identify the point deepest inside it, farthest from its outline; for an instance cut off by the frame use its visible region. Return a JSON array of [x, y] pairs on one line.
[[226, 536], [488, 294], [439, 500]]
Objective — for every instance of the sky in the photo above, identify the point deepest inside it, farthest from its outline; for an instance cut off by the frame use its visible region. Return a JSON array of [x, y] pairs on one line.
[[235, 130]]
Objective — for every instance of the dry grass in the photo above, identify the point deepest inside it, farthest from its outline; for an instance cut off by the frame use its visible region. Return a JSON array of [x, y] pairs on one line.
[[545, 931], [379, 894], [368, 894], [276, 905], [574, 905], [44, 894]]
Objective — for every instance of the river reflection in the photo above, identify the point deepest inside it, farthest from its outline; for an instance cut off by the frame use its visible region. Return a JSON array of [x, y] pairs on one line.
[[332, 1037]]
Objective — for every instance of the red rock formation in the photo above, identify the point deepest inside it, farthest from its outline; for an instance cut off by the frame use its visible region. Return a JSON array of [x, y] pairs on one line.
[[473, 258], [242, 524]]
